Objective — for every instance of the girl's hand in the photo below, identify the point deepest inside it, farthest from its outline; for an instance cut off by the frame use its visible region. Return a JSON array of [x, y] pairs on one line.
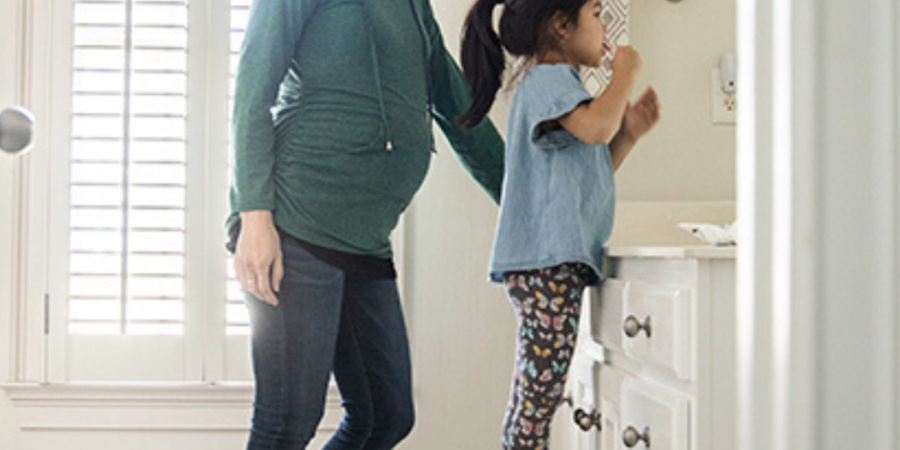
[[640, 117], [627, 62]]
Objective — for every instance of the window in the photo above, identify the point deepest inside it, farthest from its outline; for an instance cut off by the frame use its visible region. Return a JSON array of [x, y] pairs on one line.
[[142, 288]]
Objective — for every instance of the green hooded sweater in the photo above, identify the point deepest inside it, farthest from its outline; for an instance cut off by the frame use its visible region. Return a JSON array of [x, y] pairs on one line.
[[332, 124]]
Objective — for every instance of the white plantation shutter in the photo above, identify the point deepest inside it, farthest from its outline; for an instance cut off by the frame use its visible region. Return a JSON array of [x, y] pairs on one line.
[[128, 167], [236, 311], [125, 298], [136, 264]]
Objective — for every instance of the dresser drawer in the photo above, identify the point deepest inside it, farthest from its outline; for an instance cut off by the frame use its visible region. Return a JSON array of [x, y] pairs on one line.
[[634, 411], [656, 326], [659, 271], [649, 323], [653, 417]]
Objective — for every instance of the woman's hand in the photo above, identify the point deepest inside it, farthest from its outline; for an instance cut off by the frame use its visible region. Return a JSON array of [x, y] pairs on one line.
[[642, 116], [258, 261]]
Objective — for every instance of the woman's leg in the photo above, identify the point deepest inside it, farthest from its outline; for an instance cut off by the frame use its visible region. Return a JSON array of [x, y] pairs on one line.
[[292, 350], [547, 304], [372, 368]]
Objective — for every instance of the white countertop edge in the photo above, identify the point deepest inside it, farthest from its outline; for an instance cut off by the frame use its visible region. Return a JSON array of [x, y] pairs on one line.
[[679, 252]]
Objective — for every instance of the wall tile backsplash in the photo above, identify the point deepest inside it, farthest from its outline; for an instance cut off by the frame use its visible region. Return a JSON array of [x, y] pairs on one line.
[[615, 16]]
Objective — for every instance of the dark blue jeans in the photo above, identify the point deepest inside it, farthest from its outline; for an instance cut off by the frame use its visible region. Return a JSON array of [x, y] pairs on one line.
[[329, 321]]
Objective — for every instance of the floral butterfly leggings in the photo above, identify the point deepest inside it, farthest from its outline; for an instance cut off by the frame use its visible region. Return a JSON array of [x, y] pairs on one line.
[[547, 304]]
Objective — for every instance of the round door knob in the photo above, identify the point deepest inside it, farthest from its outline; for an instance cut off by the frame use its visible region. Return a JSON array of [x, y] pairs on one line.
[[585, 421], [16, 130], [633, 327], [631, 437]]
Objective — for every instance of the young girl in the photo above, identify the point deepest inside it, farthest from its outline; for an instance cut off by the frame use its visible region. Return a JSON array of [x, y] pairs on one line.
[[562, 148]]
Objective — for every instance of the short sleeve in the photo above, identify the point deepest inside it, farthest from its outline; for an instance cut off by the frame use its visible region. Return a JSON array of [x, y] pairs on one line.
[[553, 91]]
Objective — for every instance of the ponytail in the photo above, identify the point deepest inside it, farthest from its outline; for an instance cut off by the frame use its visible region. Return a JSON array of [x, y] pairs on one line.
[[482, 61], [521, 34]]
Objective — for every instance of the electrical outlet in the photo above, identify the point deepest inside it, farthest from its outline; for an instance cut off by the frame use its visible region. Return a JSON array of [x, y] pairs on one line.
[[724, 106]]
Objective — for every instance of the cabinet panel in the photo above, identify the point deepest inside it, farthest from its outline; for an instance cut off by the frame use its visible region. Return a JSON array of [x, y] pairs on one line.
[[653, 417], [607, 303], [584, 391], [656, 326], [609, 437], [609, 393]]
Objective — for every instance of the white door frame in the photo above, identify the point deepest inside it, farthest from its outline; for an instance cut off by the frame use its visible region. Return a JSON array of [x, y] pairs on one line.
[[10, 89], [819, 224]]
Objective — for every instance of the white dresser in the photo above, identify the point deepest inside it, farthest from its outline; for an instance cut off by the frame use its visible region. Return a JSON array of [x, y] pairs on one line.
[[655, 366]]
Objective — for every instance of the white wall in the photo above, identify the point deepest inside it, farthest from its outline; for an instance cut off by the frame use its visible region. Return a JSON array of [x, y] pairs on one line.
[[686, 157]]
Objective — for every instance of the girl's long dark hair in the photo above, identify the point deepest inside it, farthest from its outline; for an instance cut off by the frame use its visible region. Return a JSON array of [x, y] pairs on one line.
[[522, 34]]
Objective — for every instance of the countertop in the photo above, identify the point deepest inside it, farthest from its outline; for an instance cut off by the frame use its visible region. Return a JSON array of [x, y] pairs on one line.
[[677, 252]]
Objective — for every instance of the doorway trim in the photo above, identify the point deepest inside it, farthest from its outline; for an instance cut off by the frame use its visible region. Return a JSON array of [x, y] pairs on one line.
[[819, 260]]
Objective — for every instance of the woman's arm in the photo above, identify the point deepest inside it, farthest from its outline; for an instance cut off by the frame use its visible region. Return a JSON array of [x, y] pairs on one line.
[[481, 149], [265, 57]]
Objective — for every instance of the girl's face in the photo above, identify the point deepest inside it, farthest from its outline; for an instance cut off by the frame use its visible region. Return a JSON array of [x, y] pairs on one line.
[[584, 42]]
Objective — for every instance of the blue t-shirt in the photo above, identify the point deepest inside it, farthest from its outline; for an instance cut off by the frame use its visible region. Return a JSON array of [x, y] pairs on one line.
[[559, 192]]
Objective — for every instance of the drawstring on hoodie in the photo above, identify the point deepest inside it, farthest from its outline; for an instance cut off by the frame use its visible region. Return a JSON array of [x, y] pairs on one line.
[[387, 130], [389, 145]]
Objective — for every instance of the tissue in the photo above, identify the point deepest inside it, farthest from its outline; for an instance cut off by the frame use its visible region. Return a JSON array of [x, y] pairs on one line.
[[722, 235]]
